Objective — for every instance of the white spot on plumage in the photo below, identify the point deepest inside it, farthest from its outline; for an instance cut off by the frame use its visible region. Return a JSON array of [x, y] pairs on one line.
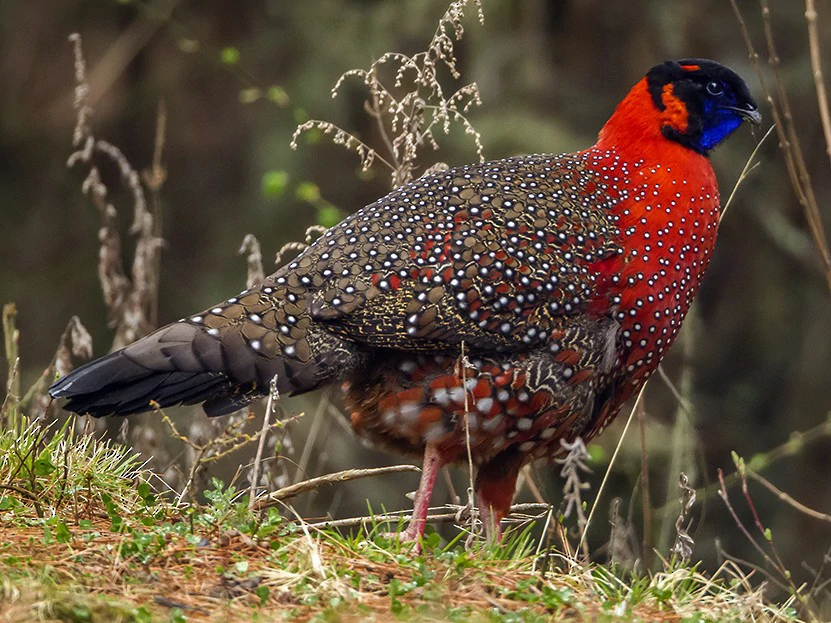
[[548, 433], [524, 424], [457, 395], [484, 405]]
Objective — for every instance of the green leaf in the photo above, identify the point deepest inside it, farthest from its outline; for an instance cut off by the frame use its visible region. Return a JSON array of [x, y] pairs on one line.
[[43, 466], [278, 95], [62, 533], [329, 216], [308, 191], [262, 592], [177, 616], [142, 615], [597, 454], [229, 55], [274, 183], [241, 566]]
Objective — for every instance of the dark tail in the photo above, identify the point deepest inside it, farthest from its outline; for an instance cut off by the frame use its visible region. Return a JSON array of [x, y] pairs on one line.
[[179, 363], [225, 357]]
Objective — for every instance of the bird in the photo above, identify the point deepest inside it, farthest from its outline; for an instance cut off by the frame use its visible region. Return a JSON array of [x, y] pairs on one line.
[[488, 312]]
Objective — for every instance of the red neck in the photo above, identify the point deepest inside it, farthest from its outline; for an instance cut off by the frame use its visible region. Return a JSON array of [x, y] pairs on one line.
[[667, 212], [634, 131]]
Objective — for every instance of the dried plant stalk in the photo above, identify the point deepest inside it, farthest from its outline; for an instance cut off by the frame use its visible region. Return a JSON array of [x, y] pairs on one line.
[[273, 397], [314, 483], [573, 467], [130, 300], [816, 68], [408, 103], [684, 544], [251, 249]]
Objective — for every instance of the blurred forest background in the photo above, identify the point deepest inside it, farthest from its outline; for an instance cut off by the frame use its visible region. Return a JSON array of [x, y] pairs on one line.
[[754, 358]]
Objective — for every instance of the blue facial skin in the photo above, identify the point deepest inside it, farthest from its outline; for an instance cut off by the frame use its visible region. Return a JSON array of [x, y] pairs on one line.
[[717, 122]]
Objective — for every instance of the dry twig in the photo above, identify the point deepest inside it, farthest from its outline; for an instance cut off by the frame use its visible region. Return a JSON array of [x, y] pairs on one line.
[[789, 143], [314, 483], [536, 511], [784, 497], [774, 563], [816, 67], [273, 396]]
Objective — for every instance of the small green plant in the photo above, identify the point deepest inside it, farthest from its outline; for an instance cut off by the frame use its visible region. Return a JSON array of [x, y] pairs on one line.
[[50, 471]]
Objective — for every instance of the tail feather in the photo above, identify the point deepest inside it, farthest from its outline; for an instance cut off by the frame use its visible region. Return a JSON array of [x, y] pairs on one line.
[[117, 385], [174, 365], [224, 357]]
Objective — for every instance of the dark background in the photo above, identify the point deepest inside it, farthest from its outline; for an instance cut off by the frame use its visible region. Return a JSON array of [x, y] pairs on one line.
[[756, 364]]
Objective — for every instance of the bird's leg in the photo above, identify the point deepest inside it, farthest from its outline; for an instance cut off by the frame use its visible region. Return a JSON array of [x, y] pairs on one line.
[[495, 487], [429, 470]]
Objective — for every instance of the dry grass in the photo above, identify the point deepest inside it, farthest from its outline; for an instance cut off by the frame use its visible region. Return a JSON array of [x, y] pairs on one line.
[[86, 539], [224, 575]]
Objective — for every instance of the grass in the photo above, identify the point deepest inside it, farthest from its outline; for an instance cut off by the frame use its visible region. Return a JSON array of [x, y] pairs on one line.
[[86, 538]]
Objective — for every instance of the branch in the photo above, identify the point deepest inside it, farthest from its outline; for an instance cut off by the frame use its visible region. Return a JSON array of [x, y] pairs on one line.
[[314, 483], [784, 497]]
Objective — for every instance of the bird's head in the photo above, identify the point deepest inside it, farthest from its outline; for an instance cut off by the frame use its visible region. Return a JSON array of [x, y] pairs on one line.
[[693, 103], [699, 102]]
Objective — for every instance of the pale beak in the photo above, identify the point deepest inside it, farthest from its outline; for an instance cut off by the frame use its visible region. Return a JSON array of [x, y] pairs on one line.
[[751, 114]]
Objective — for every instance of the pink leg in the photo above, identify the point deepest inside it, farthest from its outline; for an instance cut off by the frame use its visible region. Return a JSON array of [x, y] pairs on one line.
[[429, 470], [491, 520]]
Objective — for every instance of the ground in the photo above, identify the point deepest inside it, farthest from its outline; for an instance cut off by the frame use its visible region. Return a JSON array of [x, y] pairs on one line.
[[197, 567]]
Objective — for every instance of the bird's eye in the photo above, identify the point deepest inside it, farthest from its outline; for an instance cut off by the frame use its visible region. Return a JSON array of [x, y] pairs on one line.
[[715, 88]]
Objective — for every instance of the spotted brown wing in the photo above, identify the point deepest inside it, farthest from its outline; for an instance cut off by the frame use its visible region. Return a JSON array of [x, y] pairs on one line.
[[490, 255]]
